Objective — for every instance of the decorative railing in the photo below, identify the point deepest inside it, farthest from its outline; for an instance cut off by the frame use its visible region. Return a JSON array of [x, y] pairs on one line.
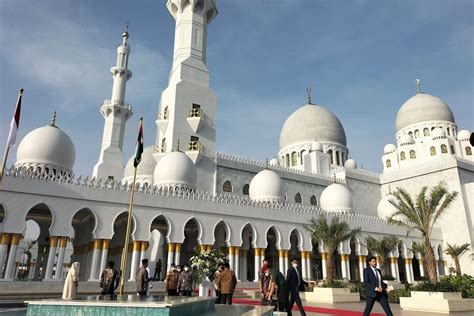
[[424, 165], [120, 103]]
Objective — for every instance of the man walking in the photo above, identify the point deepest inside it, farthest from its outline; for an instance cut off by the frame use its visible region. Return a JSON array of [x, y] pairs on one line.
[[295, 283], [172, 281], [142, 279], [185, 282], [109, 280], [226, 284], [282, 290], [376, 288]]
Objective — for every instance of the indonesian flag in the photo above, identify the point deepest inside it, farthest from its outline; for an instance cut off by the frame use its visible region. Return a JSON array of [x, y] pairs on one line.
[[139, 147], [15, 121]]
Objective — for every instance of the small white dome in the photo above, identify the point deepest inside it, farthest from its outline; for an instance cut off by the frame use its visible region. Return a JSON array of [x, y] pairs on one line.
[[267, 186], [423, 107], [406, 139], [316, 146], [350, 164], [273, 162], [385, 209], [175, 169], [47, 147], [438, 133], [389, 148], [464, 135], [145, 168], [309, 123], [336, 198]]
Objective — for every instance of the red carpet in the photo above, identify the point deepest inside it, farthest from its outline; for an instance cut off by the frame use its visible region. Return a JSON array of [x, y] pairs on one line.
[[312, 309]]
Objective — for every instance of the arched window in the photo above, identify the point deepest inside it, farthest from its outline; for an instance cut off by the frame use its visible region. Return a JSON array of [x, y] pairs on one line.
[[426, 131], [294, 159], [163, 145], [227, 187], [343, 158], [444, 149], [165, 113], [287, 160], [468, 151], [388, 163], [298, 198], [302, 153], [402, 155], [452, 149], [433, 150], [449, 131], [417, 133], [313, 200], [330, 155], [245, 189], [412, 154], [432, 128], [338, 158]]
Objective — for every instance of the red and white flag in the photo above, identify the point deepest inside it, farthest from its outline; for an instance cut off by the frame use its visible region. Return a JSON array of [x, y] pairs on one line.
[[15, 121]]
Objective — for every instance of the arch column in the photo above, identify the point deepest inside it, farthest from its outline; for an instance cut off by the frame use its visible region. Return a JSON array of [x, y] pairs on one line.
[[303, 265], [144, 247], [422, 267], [231, 258], [362, 260], [394, 268], [345, 268], [53, 243], [281, 260], [177, 253], [136, 248], [286, 261], [259, 255], [104, 254], [4, 242], [308, 264], [237, 262], [409, 269], [31, 272], [62, 243], [96, 249], [171, 248], [324, 264]]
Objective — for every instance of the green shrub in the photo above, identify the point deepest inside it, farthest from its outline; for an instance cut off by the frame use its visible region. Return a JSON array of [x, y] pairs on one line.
[[335, 283], [359, 287], [451, 283], [394, 296], [388, 278]]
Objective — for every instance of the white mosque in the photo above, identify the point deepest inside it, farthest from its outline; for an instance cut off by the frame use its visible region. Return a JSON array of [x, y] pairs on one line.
[[189, 195]]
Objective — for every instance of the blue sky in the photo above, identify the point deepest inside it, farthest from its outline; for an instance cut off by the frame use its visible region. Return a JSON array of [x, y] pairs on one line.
[[360, 57]]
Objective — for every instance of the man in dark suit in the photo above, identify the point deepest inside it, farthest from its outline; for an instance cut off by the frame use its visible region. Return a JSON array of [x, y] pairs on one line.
[[295, 282], [376, 288]]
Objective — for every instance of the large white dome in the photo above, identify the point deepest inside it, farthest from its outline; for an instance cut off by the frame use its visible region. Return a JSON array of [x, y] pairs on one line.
[[310, 123], [385, 209], [267, 186], [336, 198], [46, 147], [423, 107], [175, 169], [145, 168]]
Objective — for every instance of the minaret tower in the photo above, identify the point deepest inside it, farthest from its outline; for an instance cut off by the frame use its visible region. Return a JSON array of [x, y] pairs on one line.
[[188, 107], [115, 112]]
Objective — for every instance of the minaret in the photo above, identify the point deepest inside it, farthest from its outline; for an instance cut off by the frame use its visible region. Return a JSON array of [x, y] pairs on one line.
[[115, 112], [188, 107]]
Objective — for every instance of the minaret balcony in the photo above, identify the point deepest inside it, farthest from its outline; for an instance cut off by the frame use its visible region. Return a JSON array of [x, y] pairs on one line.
[[196, 119], [194, 151], [162, 121], [118, 103], [160, 149], [117, 107]]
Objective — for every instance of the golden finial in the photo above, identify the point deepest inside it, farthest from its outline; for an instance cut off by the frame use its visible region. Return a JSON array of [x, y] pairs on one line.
[[177, 146], [125, 34], [53, 120], [308, 94], [418, 85]]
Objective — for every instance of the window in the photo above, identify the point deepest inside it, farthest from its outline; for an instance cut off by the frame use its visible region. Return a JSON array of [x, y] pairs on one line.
[[294, 159], [163, 145], [313, 200], [227, 187], [245, 190], [432, 151], [432, 129], [302, 153], [468, 151], [195, 110], [410, 134], [388, 163], [412, 154], [452, 149], [426, 131], [298, 198], [343, 156], [287, 160], [449, 131], [444, 149], [194, 143], [165, 113], [417, 133], [338, 158], [330, 155], [402, 155]]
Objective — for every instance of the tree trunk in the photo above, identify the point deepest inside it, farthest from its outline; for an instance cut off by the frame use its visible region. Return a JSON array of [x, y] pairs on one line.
[[382, 265], [430, 260], [458, 266], [330, 267]]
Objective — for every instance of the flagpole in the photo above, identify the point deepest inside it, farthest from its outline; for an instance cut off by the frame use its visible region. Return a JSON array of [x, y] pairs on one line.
[[7, 146], [123, 266]]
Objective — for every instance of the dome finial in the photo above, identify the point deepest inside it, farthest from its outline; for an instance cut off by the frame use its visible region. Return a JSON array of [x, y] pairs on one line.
[[125, 34], [177, 145], [418, 85], [53, 120], [308, 93]]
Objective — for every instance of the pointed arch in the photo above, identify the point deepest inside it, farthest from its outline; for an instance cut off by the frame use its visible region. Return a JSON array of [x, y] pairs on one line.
[[227, 230]]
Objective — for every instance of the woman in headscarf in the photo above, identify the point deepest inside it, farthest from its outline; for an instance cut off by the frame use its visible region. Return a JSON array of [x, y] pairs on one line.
[[71, 282]]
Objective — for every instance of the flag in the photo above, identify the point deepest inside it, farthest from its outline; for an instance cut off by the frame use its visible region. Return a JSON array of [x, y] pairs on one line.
[[139, 147], [15, 121]]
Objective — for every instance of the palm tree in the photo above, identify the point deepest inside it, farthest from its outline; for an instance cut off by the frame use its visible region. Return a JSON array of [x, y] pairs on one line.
[[456, 252], [422, 214], [382, 247], [331, 234], [419, 248]]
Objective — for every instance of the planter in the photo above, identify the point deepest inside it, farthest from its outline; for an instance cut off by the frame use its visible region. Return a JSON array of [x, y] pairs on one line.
[[436, 302], [206, 289], [331, 295]]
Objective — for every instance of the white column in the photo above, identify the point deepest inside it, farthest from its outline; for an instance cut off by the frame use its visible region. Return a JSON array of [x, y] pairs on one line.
[[143, 251], [343, 265], [170, 257], [286, 262], [362, 267], [281, 260], [303, 265], [104, 254], [422, 268], [53, 242], [393, 268], [135, 257], [309, 265], [231, 258], [59, 264], [4, 241], [257, 263], [409, 270], [237, 263], [95, 261], [324, 262], [31, 272], [177, 253]]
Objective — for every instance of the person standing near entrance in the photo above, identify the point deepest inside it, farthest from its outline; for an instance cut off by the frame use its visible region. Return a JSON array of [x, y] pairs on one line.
[[109, 280], [157, 274], [71, 283], [172, 281], [185, 282], [142, 279], [295, 282], [226, 284], [376, 288]]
